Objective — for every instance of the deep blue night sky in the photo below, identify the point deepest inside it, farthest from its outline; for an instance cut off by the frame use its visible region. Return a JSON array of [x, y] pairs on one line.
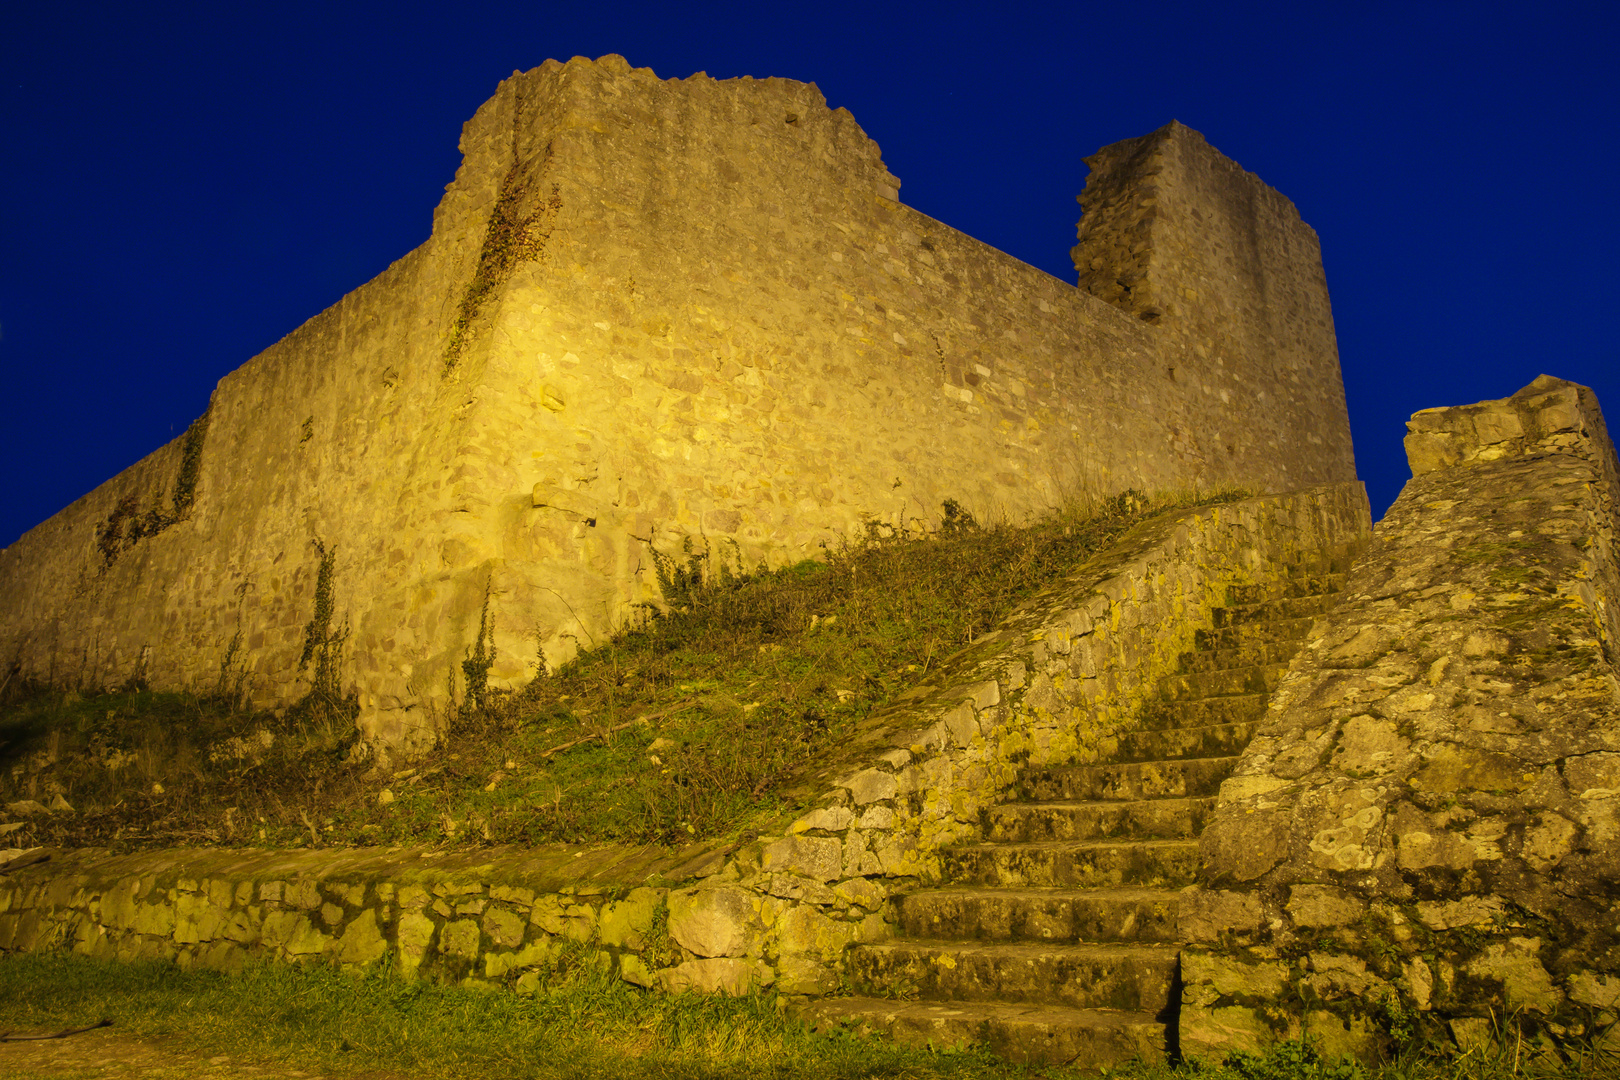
[[182, 188]]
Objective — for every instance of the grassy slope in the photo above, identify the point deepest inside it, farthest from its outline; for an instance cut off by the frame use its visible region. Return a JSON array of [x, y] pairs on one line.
[[694, 723]]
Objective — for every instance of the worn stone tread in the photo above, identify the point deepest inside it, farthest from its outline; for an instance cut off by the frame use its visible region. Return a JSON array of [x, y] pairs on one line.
[[1293, 607], [1207, 740], [1179, 778], [1046, 914], [1083, 864], [1101, 819], [1309, 583], [1249, 635], [1227, 682], [1213, 711], [1026, 1033], [1085, 975], [1244, 654]]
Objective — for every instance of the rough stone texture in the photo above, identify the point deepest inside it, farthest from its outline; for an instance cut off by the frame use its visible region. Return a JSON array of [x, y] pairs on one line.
[[1059, 682], [1184, 239], [720, 324], [1431, 813], [496, 916]]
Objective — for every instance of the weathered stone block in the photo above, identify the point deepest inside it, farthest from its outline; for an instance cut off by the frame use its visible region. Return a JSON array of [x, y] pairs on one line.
[[734, 977], [1242, 847], [362, 942], [803, 930], [1516, 963], [1323, 905], [625, 923], [461, 938], [870, 785], [819, 858], [714, 922], [828, 818], [1204, 914], [504, 928], [1209, 977], [415, 936]]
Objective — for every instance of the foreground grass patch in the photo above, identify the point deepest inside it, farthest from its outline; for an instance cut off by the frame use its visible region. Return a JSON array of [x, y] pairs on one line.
[[581, 1023], [699, 721]]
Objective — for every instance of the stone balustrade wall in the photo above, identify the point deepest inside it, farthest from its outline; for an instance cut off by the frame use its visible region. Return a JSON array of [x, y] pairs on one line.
[[1427, 829]]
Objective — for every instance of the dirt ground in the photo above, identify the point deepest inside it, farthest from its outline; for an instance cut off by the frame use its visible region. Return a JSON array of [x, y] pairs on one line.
[[108, 1052]]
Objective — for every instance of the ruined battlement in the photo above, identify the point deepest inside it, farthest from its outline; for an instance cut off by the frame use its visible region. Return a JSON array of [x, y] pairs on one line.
[[658, 310]]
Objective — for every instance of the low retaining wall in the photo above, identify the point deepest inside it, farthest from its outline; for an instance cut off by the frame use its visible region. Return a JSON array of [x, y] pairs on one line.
[[1057, 682]]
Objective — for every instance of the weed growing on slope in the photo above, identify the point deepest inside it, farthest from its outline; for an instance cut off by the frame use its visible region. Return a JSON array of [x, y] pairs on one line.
[[581, 1021]]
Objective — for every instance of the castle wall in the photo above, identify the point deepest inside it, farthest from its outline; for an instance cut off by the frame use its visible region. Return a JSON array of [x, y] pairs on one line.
[[1184, 239], [654, 311]]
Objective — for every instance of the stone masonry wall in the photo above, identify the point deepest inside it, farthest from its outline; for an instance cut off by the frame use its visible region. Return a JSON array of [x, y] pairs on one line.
[[1184, 239], [1056, 682], [654, 311], [1429, 825]]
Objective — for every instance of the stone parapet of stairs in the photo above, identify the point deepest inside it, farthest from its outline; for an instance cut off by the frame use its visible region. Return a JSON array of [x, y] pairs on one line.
[[1057, 928]]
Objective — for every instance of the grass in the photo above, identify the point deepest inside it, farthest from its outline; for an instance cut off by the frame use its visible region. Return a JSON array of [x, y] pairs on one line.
[[584, 1023], [699, 721], [580, 1023]]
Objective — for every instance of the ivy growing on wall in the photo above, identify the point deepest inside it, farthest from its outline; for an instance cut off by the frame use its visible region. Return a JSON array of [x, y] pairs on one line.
[[323, 646], [480, 658], [128, 524], [510, 238], [185, 482]]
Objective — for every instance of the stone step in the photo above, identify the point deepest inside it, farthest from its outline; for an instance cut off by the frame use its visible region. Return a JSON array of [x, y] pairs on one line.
[[1177, 779], [1305, 584], [1131, 978], [1211, 740], [1048, 915], [1210, 712], [1252, 653], [1094, 864], [1247, 635], [1293, 607], [1140, 819], [1026, 1034], [1231, 682]]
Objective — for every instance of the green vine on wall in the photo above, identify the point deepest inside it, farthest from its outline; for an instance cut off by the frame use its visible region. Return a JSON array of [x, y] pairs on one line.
[[480, 658], [128, 524], [185, 482], [322, 645], [510, 239]]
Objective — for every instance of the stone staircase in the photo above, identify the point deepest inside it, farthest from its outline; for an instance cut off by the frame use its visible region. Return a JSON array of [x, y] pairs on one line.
[[1055, 939]]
